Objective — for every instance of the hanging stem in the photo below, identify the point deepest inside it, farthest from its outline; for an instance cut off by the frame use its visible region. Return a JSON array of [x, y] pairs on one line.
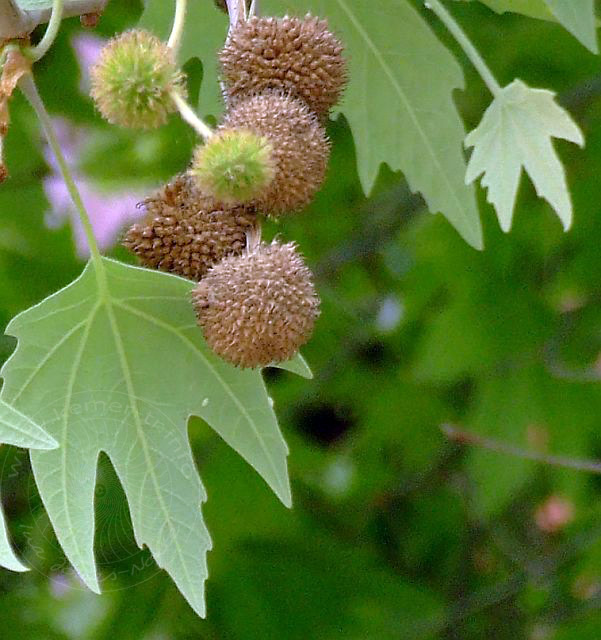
[[237, 11], [188, 114], [470, 51], [253, 238], [41, 49], [178, 25], [28, 87]]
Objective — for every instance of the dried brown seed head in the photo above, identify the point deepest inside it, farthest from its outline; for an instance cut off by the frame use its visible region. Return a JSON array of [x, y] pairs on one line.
[[258, 308], [301, 149], [185, 232], [296, 55]]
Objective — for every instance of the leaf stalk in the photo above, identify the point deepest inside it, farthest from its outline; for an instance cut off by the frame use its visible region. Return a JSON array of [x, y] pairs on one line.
[[43, 46], [464, 42], [29, 89]]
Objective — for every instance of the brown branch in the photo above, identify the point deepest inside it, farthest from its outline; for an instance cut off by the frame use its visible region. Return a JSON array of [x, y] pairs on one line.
[[468, 438]]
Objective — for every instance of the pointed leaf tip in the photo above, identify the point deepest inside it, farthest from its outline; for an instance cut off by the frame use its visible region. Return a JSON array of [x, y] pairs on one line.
[[297, 365], [8, 559]]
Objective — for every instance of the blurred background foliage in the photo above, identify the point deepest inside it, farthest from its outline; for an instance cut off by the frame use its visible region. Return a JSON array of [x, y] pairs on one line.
[[396, 531]]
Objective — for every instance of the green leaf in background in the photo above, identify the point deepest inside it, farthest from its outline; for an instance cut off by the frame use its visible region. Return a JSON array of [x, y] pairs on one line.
[[399, 101], [577, 16], [204, 34], [529, 401], [115, 362], [516, 132], [18, 430]]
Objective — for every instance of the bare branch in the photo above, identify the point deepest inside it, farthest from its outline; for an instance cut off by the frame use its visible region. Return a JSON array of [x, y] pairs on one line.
[[468, 438], [15, 23]]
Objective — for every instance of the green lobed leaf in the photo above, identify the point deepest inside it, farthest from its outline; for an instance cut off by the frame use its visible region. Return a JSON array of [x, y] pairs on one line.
[[516, 132], [399, 101], [115, 362], [204, 34], [18, 430], [577, 16]]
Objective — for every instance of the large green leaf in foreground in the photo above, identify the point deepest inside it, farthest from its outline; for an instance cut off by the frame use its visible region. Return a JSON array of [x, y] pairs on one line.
[[115, 362], [399, 101], [18, 430]]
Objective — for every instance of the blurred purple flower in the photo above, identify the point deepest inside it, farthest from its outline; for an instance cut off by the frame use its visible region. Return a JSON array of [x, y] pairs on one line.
[[109, 212], [60, 584], [87, 49]]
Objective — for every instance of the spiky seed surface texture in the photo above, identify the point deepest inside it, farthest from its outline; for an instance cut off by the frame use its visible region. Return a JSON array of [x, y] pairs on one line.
[[258, 308], [301, 149], [296, 55], [133, 78], [234, 166], [185, 232]]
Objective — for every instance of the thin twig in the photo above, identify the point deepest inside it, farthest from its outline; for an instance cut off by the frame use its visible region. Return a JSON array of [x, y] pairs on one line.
[[466, 437]]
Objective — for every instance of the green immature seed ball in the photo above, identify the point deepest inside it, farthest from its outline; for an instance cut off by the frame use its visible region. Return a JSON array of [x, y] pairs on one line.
[[300, 148], [133, 79], [235, 166]]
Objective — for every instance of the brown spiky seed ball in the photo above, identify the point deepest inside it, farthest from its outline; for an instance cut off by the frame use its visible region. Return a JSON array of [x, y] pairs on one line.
[[258, 308], [185, 232], [296, 55], [301, 148]]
